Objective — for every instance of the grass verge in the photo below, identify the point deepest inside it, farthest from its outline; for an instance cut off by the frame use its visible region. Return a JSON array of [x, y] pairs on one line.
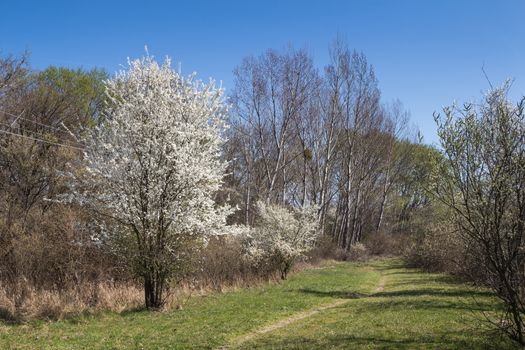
[[412, 310], [376, 305]]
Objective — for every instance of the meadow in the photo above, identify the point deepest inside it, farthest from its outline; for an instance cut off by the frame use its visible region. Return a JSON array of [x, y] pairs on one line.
[[379, 304]]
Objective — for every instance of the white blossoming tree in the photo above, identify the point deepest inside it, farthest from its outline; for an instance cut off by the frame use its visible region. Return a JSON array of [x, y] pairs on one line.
[[153, 166], [282, 235]]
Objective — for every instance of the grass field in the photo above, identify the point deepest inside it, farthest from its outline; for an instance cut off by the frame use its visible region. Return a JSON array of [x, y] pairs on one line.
[[375, 305]]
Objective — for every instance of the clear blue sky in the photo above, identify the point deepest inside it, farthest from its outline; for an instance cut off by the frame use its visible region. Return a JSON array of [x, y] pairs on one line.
[[426, 53]]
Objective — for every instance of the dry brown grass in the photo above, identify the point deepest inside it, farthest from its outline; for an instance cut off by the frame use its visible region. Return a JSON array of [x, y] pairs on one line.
[[220, 268], [26, 303]]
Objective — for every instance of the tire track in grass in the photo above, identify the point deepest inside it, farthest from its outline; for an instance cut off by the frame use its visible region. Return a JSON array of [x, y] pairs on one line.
[[294, 318]]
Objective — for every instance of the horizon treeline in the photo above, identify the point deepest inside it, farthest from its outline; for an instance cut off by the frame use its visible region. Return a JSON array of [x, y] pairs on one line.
[[298, 137], [318, 166]]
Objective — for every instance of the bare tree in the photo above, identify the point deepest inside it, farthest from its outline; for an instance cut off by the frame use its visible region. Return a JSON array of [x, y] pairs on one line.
[[483, 182], [357, 101], [395, 130], [271, 96], [302, 137]]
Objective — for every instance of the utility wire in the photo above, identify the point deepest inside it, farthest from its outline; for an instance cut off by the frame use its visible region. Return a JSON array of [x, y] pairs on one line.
[[18, 117], [62, 143], [33, 121], [37, 133], [40, 140]]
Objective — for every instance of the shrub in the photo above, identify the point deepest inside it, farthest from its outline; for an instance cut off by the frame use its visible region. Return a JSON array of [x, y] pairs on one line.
[[281, 236], [357, 252], [442, 249], [382, 243], [481, 180]]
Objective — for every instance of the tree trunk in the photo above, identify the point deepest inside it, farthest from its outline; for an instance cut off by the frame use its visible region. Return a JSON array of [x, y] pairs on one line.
[[153, 290], [382, 208], [248, 198], [303, 198]]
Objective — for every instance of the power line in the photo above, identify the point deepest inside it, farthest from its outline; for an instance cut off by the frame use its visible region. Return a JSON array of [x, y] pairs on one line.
[[40, 140], [63, 144], [14, 121], [33, 121], [44, 125], [36, 133]]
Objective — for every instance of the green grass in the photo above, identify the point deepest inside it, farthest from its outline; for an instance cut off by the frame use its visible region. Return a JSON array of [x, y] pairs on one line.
[[415, 310]]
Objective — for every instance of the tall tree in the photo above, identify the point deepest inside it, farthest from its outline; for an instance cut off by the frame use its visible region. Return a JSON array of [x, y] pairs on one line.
[[153, 166], [356, 99], [271, 95]]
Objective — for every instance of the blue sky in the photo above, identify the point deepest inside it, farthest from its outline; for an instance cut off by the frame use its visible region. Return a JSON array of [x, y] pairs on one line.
[[426, 53]]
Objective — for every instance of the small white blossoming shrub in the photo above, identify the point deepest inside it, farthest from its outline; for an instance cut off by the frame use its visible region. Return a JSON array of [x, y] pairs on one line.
[[282, 235]]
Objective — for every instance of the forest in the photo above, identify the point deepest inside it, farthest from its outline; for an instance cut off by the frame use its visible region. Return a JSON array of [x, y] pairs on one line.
[[130, 191]]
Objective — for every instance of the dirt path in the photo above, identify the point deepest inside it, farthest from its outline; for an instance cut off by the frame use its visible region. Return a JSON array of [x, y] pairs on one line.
[[294, 318], [381, 285]]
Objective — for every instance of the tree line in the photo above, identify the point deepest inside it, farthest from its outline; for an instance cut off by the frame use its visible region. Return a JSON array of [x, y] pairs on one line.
[[293, 137], [303, 137], [154, 179]]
